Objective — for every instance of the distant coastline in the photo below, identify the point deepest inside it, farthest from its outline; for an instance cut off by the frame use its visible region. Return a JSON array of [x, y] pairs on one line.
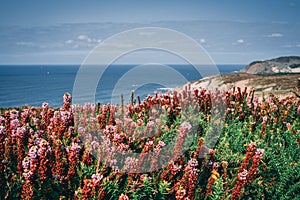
[[279, 77]]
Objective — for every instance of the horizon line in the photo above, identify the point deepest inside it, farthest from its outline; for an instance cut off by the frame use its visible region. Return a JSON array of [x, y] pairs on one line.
[[72, 64]]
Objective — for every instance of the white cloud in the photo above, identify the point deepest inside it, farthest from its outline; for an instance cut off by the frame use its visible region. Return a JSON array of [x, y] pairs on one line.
[[82, 37], [202, 41], [69, 41], [92, 40], [298, 45], [88, 39], [240, 41], [275, 35]]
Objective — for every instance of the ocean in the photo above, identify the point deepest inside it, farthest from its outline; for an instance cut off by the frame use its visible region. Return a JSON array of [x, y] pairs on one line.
[[34, 84]]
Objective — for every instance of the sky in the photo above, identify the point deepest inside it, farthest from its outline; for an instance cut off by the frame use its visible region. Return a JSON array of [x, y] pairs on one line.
[[64, 32]]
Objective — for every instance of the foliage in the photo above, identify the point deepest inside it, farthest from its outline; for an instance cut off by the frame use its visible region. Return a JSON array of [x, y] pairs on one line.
[[238, 147]]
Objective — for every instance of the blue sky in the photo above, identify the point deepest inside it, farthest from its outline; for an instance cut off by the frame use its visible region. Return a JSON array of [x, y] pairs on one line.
[[64, 32]]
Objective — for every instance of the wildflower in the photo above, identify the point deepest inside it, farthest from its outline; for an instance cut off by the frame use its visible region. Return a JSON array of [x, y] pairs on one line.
[[213, 177], [250, 152], [116, 138], [44, 152], [14, 124], [20, 134], [32, 152], [192, 177], [96, 178], [27, 174], [242, 176], [13, 114], [150, 124], [130, 163], [123, 197], [45, 105], [193, 163], [224, 164], [2, 130], [25, 115], [87, 190], [2, 120], [185, 127], [160, 144], [288, 125], [255, 163], [75, 147], [67, 99], [265, 118], [259, 152], [174, 168], [180, 194], [25, 163]]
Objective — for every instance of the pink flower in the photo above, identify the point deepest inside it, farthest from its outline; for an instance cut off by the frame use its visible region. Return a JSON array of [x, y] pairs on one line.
[[2, 119], [150, 124], [45, 105], [32, 153], [81, 130], [259, 152], [67, 98], [116, 138], [110, 129], [25, 113], [2, 130], [130, 162], [123, 197], [27, 174], [185, 127], [265, 118], [36, 121], [193, 163], [96, 178], [149, 143], [75, 147], [14, 123], [13, 114], [160, 144], [25, 163], [44, 147], [243, 175], [174, 168], [21, 131]]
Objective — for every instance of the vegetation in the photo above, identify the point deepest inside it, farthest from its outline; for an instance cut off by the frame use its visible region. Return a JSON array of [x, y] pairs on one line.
[[185, 145]]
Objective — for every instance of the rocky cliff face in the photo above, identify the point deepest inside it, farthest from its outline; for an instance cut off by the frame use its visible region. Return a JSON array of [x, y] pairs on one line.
[[280, 85], [279, 76], [290, 64]]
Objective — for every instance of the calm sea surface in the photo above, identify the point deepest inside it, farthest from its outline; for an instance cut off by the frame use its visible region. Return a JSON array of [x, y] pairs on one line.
[[32, 85]]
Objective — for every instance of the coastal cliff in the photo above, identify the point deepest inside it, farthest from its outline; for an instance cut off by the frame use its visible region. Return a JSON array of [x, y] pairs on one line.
[[279, 76], [288, 64]]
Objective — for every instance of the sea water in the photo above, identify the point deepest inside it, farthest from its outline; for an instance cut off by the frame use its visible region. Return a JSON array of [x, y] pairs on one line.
[[34, 84]]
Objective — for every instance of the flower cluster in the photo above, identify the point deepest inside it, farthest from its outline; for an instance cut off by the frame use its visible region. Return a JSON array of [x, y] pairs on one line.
[[242, 178], [138, 150]]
